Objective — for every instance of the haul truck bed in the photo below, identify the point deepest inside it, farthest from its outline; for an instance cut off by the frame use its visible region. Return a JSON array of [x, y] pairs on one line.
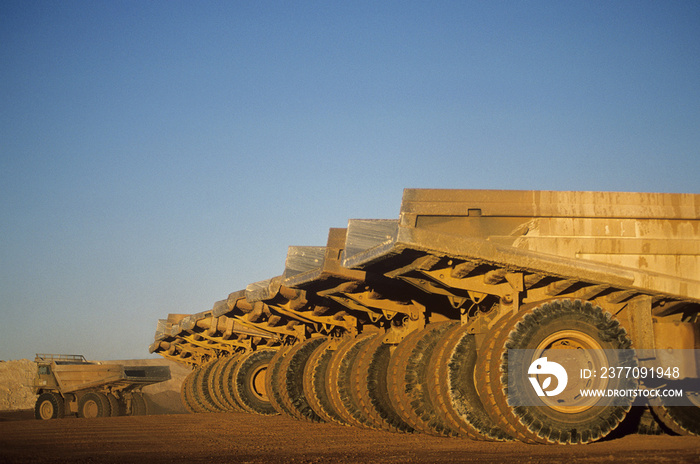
[[638, 240]]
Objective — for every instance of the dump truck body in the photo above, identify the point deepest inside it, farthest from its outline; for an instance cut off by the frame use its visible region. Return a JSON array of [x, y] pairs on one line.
[[641, 240], [436, 300]]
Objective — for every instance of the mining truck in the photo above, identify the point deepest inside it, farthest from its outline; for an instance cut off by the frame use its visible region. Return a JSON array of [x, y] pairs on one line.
[[484, 314], [69, 384]]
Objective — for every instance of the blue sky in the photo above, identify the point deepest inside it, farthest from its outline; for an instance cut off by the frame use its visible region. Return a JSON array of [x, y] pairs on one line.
[[156, 156]]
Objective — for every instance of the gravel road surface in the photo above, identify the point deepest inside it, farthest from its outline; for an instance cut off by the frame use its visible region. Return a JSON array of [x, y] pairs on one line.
[[245, 438]]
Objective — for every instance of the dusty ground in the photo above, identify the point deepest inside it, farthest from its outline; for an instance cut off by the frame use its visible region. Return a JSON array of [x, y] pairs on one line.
[[244, 438], [247, 438]]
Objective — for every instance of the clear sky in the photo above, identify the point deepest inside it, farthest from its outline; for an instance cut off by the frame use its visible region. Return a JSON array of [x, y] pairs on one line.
[[156, 156]]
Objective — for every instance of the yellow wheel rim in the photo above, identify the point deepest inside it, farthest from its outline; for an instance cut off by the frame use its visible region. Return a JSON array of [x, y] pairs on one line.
[[594, 358], [90, 409], [258, 383], [46, 410]]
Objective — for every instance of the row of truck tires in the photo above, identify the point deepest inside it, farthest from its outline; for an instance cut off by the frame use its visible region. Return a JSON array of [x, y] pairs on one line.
[[432, 382], [51, 405]]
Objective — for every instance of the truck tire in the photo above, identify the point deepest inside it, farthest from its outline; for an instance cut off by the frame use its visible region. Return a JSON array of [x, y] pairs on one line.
[[292, 380], [316, 386], [213, 380], [370, 383], [49, 405], [193, 380], [227, 383], [453, 390], [339, 381], [640, 421], [139, 406], [273, 385], [249, 382], [553, 325], [201, 387], [194, 394], [483, 376], [115, 406], [93, 404], [683, 420], [393, 376], [409, 377], [186, 393], [646, 423], [220, 384]]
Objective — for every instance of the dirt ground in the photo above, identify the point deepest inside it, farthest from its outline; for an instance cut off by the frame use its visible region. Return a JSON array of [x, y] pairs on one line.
[[245, 438]]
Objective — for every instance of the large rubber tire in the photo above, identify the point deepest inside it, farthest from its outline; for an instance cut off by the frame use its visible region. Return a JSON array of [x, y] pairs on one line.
[[393, 377], [292, 380], [683, 420], [249, 382], [646, 423], [640, 420], [409, 377], [370, 384], [482, 379], [139, 405], [195, 391], [213, 383], [93, 404], [555, 325], [273, 381], [201, 390], [316, 384], [49, 405], [115, 406], [187, 393], [226, 382], [452, 387], [341, 394]]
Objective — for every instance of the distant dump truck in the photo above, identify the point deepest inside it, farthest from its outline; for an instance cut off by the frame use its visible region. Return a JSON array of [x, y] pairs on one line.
[[69, 384], [537, 316]]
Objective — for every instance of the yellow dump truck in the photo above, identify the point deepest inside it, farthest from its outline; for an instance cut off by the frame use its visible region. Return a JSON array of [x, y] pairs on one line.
[[539, 316], [69, 384]]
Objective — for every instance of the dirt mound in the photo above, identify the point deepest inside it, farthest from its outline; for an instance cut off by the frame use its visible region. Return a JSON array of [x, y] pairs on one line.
[[16, 384], [16, 379]]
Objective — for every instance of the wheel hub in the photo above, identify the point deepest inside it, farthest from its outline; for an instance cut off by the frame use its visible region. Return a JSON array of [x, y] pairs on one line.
[[258, 383], [46, 410], [588, 354]]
